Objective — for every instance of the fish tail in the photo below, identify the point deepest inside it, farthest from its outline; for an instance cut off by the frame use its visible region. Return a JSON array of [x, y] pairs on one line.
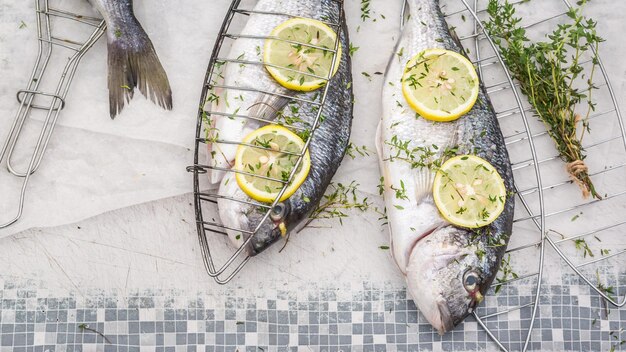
[[132, 63]]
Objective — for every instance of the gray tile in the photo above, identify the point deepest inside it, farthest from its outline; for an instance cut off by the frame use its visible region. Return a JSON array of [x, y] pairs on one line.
[[384, 312], [6, 340]]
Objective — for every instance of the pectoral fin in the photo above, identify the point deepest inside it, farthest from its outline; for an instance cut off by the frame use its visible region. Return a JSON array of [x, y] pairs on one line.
[[268, 106]]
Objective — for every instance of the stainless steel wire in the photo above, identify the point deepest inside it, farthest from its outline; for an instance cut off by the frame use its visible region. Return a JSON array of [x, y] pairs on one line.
[[532, 208], [47, 42], [225, 272], [539, 216]]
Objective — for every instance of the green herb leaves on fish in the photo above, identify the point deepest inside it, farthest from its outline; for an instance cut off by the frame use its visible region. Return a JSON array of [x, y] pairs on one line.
[[448, 269], [234, 113]]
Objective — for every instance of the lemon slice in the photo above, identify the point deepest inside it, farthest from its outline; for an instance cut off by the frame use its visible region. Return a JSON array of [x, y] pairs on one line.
[[469, 192], [440, 85], [267, 154], [301, 61]]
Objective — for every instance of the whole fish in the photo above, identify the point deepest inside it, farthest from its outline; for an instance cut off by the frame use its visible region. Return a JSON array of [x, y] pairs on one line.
[[269, 101], [132, 60], [448, 269]]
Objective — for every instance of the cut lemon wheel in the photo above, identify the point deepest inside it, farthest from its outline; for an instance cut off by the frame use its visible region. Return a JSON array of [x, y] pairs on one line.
[[440, 85], [303, 58], [268, 156], [469, 192]]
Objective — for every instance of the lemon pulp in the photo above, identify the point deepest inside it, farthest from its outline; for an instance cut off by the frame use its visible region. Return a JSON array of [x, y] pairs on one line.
[[440, 85], [266, 159], [469, 192], [302, 55]]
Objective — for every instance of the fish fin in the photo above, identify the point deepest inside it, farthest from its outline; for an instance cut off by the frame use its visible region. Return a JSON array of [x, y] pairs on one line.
[[268, 106], [423, 179], [134, 63], [379, 150], [381, 165], [379, 142]]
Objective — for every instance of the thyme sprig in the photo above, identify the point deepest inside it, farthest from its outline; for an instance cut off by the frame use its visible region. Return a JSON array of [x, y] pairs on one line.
[[354, 150], [583, 247], [365, 10], [338, 200], [507, 273], [547, 72], [617, 340], [419, 157], [609, 291]]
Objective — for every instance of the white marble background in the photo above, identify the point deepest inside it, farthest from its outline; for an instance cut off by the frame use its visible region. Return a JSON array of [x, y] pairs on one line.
[[141, 157]]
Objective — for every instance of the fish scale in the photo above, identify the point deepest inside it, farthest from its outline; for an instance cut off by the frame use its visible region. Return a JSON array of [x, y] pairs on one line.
[[254, 76], [436, 257], [328, 143]]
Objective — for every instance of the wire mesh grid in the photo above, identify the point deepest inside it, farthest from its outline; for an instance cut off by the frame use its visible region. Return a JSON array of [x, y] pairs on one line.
[[550, 210], [229, 32], [538, 176], [40, 93]]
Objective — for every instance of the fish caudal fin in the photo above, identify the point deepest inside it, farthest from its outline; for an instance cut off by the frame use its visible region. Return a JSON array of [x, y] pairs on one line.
[[133, 62]]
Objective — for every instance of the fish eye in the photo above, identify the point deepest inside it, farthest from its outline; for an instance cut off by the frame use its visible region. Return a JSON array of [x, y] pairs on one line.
[[471, 280], [278, 212]]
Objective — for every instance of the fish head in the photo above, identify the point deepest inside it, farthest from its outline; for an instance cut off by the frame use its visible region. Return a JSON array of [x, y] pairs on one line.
[[268, 228], [447, 275], [243, 217]]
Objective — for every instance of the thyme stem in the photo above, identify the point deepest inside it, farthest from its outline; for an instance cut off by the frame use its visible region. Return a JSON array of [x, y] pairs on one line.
[[547, 72]]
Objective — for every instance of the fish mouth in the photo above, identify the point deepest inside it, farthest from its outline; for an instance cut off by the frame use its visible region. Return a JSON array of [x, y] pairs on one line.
[[263, 239], [446, 322]]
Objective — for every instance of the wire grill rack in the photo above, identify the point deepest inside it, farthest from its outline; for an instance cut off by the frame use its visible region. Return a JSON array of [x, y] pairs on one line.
[[539, 177], [206, 200], [49, 20]]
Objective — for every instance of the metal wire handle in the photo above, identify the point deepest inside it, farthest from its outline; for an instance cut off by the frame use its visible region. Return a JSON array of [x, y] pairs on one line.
[[224, 273], [47, 41]]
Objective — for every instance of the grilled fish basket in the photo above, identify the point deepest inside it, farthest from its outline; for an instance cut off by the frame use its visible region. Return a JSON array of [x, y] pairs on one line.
[[206, 200], [539, 177]]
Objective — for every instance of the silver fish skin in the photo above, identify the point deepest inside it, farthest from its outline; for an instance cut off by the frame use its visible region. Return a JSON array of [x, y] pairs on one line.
[[448, 269], [328, 143], [132, 60]]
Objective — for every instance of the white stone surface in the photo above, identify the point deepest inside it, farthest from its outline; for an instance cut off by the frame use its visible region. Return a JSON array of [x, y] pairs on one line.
[[95, 164], [154, 244]]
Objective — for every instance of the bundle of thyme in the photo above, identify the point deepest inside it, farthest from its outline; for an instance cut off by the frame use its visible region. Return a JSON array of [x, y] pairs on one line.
[[547, 72]]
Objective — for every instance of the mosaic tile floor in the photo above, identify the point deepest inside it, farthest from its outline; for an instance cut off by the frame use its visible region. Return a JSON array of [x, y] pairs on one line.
[[366, 317]]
